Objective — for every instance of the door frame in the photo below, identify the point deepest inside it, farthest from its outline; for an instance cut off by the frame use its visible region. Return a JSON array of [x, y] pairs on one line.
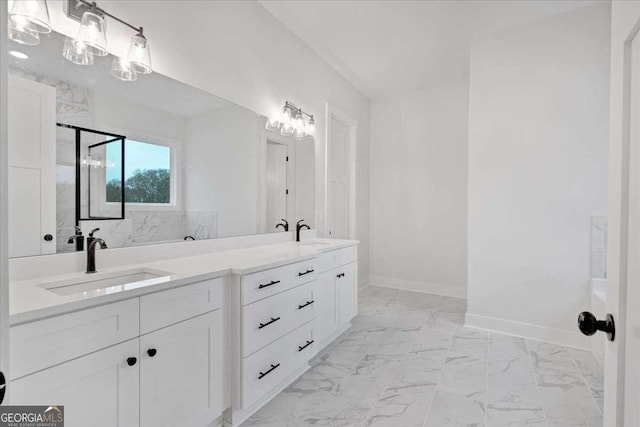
[[621, 123], [333, 112], [4, 221], [262, 182]]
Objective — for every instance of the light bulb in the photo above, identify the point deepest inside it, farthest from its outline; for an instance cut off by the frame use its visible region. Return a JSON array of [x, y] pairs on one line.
[[92, 34], [286, 115], [76, 52], [299, 121], [286, 129], [311, 129], [122, 70]]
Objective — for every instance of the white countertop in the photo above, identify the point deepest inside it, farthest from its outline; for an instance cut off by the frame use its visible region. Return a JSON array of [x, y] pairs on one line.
[[29, 300]]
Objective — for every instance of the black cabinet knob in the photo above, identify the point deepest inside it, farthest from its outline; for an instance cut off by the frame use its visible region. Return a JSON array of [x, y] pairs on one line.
[[589, 325], [152, 352], [48, 237], [132, 361]]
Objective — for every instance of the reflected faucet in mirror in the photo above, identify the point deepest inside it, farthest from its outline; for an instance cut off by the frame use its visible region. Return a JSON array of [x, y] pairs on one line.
[[300, 226], [189, 238], [78, 238], [91, 253], [91, 238], [284, 224]]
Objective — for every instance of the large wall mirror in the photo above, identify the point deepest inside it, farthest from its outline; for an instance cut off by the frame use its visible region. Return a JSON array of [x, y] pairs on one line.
[[148, 161]]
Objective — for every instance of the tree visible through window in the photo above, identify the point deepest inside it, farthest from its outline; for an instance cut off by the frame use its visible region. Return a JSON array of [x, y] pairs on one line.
[[147, 173]]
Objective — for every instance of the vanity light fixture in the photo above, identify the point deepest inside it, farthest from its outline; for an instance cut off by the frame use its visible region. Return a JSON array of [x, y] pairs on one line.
[[92, 40], [293, 122], [27, 19]]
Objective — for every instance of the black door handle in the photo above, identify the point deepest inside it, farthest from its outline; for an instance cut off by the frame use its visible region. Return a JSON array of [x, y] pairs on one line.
[[306, 272], [300, 307], [132, 361], [264, 374], [589, 325], [3, 386], [273, 320], [152, 352], [273, 282]]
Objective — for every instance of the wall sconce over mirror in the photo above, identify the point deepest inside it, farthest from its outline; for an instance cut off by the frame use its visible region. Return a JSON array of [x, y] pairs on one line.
[[293, 122]]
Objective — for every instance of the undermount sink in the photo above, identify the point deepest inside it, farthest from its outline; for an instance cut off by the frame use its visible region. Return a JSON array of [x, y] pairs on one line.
[[107, 283]]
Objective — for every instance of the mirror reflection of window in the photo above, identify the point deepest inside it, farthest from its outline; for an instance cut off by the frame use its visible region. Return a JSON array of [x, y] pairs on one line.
[[147, 173]]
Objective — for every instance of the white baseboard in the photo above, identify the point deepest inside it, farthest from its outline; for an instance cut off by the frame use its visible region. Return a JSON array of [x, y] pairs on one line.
[[417, 286], [528, 330]]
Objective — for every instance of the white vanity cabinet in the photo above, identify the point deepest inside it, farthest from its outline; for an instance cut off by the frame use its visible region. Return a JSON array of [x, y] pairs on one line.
[[171, 375], [336, 293]]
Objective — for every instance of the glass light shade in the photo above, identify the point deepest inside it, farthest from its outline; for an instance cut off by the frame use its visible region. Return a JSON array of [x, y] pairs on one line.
[[34, 12], [139, 55], [286, 129], [92, 34], [299, 122], [76, 52], [299, 135], [20, 31], [272, 124], [122, 70], [286, 115], [311, 128]]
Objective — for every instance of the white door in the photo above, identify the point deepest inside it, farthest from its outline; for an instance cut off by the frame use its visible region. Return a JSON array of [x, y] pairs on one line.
[[276, 185], [347, 292], [324, 294], [32, 162], [338, 180], [181, 374], [632, 341], [622, 369], [97, 390], [4, 244]]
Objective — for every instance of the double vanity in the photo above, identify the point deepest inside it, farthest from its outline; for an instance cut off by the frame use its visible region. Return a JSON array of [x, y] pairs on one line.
[[194, 341]]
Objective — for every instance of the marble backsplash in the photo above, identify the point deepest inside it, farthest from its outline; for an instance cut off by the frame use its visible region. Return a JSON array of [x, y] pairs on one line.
[[152, 226]]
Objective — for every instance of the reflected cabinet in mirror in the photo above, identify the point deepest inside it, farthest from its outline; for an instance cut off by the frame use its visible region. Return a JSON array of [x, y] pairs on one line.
[[142, 162]]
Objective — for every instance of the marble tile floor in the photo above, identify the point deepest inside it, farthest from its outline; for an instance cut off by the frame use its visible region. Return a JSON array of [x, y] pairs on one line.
[[408, 361]]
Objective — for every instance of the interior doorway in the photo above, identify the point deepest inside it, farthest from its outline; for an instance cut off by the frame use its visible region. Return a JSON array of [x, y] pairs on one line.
[[341, 174], [277, 191]]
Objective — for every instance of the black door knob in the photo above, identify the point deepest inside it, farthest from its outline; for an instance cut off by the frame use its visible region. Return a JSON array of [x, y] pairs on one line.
[[131, 361], [48, 237], [152, 352], [589, 325], [3, 386]]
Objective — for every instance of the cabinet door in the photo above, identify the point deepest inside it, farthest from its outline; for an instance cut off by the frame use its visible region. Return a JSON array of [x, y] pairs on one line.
[[181, 381], [97, 390], [325, 301], [347, 292]]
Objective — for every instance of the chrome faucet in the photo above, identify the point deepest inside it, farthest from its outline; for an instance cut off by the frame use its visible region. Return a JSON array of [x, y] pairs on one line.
[[91, 253], [300, 227]]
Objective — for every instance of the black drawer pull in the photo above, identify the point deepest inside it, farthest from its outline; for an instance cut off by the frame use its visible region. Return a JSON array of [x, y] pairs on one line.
[[306, 272], [273, 282], [302, 347], [273, 320], [340, 275], [308, 303], [264, 374]]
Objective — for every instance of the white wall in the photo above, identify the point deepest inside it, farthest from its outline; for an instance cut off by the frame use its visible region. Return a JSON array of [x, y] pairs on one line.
[[245, 55], [419, 190], [220, 161], [538, 141]]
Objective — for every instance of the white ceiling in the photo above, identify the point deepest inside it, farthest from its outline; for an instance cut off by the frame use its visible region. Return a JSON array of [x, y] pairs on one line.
[[391, 46]]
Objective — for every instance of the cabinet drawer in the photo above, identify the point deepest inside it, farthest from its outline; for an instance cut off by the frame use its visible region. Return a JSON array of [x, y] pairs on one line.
[[266, 283], [333, 259], [44, 343], [267, 320], [266, 369], [175, 305]]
